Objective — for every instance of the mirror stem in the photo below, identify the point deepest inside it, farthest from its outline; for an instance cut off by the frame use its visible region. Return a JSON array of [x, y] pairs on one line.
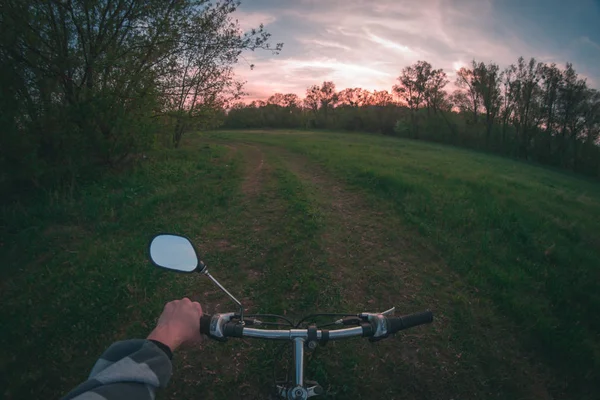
[[236, 301]]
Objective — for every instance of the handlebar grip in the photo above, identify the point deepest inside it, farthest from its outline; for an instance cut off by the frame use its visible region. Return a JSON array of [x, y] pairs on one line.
[[233, 329], [205, 324], [408, 321]]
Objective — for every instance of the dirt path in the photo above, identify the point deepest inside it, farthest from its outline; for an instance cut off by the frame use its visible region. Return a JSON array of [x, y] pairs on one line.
[[375, 265], [358, 240], [253, 172], [378, 266]]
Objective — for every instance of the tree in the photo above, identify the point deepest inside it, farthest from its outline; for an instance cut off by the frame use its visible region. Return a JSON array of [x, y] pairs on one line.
[[486, 82], [282, 110], [435, 96], [591, 117], [545, 113], [525, 96], [91, 79], [312, 101], [291, 101], [508, 95], [572, 101], [321, 100], [353, 97], [465, 79], [381, 98], [412, 88], [277, 99], [199, 77], [413, 84], [552, 80], [328, 98]]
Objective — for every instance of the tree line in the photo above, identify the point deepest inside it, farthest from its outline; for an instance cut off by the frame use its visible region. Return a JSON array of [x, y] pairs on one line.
[[90, 84], [531, 110]]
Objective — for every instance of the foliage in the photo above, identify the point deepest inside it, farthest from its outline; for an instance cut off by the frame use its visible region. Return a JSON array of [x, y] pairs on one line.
[[530, 110], [88, 83]]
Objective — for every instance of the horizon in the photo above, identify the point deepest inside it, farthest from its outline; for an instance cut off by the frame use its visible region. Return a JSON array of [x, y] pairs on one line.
[[358, 44]]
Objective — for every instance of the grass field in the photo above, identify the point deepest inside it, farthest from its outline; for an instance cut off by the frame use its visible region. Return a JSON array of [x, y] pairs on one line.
[[506, 254]]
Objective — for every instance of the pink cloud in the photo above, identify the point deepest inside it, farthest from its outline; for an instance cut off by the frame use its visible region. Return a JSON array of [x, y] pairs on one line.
[[366, 44]]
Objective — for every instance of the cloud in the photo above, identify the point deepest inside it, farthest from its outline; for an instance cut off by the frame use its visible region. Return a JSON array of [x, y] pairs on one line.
[[251, 20], [589, 42], [324, 43], [391, 45], [361, 43]]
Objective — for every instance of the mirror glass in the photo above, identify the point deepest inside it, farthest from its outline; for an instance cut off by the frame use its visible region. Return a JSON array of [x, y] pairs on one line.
[[173, 252]]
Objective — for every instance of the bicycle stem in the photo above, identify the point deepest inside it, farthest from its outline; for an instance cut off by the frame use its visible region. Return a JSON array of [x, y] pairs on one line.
[[299, 361]]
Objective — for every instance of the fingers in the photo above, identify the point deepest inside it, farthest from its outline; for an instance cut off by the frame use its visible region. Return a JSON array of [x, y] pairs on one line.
[[198, 307], [195, 304]]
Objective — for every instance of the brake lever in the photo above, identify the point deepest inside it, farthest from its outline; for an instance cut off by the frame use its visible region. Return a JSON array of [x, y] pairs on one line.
[[216, 326], [385, 313], [363, 316], [379, 323], [389, 312]]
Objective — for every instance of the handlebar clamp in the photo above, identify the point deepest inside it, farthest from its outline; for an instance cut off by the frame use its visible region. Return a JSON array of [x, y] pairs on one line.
[[311, 340]]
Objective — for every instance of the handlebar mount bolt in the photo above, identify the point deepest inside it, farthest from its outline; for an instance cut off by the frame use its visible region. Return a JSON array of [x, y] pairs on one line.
[[312, 345]]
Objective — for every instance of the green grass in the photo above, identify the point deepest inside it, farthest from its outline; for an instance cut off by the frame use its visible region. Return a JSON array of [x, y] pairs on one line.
[[525, 236], [78, 274], [504, 252]]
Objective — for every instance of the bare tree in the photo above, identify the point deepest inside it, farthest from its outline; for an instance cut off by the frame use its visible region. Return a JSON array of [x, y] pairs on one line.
[[486, 82], [465, 79], [526, 91]]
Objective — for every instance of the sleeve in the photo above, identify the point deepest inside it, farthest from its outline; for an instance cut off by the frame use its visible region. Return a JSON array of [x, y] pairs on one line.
[[131, 369]]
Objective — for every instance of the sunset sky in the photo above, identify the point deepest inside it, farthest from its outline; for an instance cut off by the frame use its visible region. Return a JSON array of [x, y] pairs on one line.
[[362, 43]]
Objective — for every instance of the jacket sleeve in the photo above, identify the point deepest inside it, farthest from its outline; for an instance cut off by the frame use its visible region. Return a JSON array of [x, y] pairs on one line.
[[131, 369]]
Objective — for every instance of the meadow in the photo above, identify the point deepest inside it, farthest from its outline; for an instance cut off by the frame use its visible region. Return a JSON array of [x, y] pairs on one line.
[[505, 253]]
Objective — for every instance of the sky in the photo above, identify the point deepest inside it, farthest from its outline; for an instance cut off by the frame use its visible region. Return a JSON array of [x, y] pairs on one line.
[[366, 43]]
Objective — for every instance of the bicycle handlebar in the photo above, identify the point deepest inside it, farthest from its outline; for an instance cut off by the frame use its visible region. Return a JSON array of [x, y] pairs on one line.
[[409, 321], [377, 326]]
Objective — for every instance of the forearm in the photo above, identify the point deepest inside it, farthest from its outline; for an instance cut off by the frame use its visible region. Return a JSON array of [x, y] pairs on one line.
[[134, 369], [128, 369]]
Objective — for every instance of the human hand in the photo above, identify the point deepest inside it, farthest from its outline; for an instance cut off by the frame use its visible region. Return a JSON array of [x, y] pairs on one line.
[[178, 323]]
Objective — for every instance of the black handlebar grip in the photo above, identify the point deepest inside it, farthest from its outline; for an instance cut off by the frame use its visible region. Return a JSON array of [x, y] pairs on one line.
[[408, 321], [233, 329], [205, 324]]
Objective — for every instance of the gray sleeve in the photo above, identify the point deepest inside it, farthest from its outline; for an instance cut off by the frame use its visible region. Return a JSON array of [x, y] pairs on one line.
[[132, 369]]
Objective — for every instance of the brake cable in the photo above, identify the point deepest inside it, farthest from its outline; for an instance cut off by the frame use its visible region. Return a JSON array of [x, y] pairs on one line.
[[281, 317], [322, 315]]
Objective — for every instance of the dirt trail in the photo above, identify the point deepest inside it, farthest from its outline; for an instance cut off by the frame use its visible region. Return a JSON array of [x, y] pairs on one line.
[[226, 242], [358, 239], [378, 265], [253, 176], [375, 265]]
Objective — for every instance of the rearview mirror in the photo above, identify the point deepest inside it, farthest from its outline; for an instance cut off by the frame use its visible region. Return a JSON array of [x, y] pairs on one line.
[[173, 252]]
